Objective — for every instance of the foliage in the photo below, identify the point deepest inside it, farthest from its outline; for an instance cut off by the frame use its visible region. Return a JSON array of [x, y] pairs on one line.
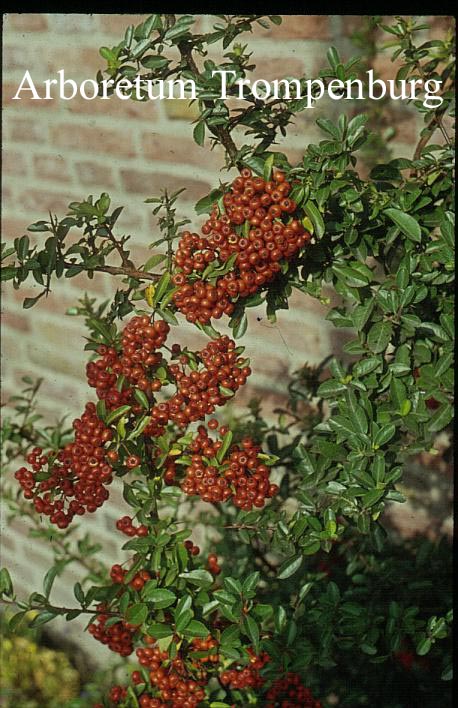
[[34, 676], [313, 581]]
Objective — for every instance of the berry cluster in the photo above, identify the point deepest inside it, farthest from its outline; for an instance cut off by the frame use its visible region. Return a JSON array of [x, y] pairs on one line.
[[102, 374], [191, 548], [118, 694], [118, 636], [212, 564], [199, 391], [118, 575], [171, 683], [289, 692], [240, 475], [137, 361], [247, 676], [76, 479], [126, 526], [207, 644], [269, 236]]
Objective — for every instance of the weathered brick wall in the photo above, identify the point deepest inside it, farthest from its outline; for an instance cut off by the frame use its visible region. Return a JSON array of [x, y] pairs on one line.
[[60, 151]]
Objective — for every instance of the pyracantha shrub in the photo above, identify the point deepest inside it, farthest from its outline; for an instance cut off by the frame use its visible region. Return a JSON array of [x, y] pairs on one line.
[[300, 594]]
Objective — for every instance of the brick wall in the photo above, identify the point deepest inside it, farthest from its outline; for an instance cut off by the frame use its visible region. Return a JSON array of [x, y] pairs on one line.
[[57, 151]]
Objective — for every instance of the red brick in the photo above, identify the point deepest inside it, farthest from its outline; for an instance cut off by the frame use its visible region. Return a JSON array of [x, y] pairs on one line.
[[85, 138], [117, 24], [71, 24], [141, 110], [384, 68], [441, 25], [24, 101], [270, 69], [14, 163], [51, 167], [39, 202], [405, 125], [7, 193], [27, 130], [93, 173], [97, 285], [168, 148], [139, 252], [305, 304], [17, 57], [151, 183], [78, 62], [352, 23], [289, 337], [28, 22], [297, 27], [13, 227], [60, 391], [15, 321]]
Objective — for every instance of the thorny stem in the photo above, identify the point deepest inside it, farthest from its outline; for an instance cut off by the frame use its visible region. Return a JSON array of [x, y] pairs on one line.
[[221, 131], [118, 246], [118, 270], [436, 120], [169, 235], [60, 610]]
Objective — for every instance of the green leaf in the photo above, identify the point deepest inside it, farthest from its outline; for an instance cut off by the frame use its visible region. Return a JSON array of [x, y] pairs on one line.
[[196, 629], [199, 133], [16, 620], [159, 630], [225, 445], [117, 413], [408, 225], [79, 593], [239, 326], [443, 364], [441, 418], [252, 630], [352, 277], [379, 336], [42, 618], [161, 288], [231, 635], [315, 217], [137, 613], [366, 366], [142, 398], [384, 434], [268, 166], [30, 302], [154, 260], [183, 620], [328, 127], [49, 578], [289, 567], [250, 583], [154, 61], [333, 57], [205, 205], [200, 577], [6, 584], [8, 272], [331, 389], [372, 497], [160, 597], [423, 646]]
